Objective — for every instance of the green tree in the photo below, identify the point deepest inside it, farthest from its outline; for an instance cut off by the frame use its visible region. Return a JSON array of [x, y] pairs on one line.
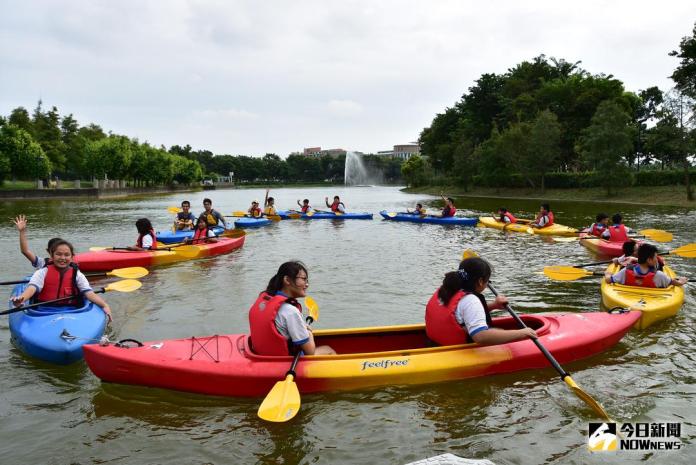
[[684, 75], [682, 108], [20, 118], [109, 157], [416, 171], [25, 157], [605, 144], [74, 145], [544, 147], [47, 133]]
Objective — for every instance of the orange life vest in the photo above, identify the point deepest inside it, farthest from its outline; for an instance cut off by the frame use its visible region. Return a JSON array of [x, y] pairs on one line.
[[59, 284], [441, 324], [617, 233], [139, 242], [264, 335], [642, 280]]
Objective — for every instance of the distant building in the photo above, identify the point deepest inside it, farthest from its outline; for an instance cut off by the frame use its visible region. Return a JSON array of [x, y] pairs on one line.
[[318, 152], [402, 151]]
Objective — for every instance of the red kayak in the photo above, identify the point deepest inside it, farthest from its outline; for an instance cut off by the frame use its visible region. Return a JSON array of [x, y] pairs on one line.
[[601, 246], [226, 365], [105, 260]]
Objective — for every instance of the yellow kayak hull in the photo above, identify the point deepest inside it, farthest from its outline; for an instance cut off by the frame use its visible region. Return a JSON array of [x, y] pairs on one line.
[[655, 304], [553, 230]]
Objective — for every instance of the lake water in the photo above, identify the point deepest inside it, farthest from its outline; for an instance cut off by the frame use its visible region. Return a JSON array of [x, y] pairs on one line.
[[363, 273]]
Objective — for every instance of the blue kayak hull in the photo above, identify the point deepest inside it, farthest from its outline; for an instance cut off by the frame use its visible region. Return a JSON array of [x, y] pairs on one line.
[[328, 216], [251, 222], [169, 237], [56, 334], [411, 218]]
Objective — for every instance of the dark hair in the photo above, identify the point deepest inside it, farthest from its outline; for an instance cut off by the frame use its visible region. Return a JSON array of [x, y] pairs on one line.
[[601, 216], [419, 205], [450, 199], [185, 202], [628, 247], [470, 271], [336, 197], [646, 251], [546, 207], [208, 201], [201, 219], [502, 210], [305, 201], [52, 243], [143, 226], [617, 218], [270, 199], [290, 269], [60, 242]]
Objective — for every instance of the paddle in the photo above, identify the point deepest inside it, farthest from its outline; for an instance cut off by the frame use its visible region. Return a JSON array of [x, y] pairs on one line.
[[174, 210], [241, 214], [565, 376], [126, 285], [657, 235], [283, 401], [133, 272], [686, 251], [569, 273]]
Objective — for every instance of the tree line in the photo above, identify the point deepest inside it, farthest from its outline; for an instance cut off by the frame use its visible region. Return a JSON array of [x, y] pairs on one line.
[[549, 116], [43, 144]]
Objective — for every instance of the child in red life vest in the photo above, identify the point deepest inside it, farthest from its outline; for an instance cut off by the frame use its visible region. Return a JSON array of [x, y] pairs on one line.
[[37, 262], [449, 209], [254, 211], [600, 225], [60, 278], [458, 313], [336, 206], [544, 218], [504, 216], [617, 232], [275, 320], [202, 232], [304, 206], [146, 236], [645, 273]]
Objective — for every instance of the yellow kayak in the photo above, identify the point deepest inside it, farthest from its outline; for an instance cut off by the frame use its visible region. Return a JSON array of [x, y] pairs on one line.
[[655, 304], [553, 230]]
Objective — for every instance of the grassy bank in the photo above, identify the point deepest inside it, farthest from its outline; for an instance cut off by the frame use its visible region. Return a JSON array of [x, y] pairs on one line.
[[656, 195]]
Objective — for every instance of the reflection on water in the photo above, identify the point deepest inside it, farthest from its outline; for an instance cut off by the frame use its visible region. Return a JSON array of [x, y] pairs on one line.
[[363, 273]]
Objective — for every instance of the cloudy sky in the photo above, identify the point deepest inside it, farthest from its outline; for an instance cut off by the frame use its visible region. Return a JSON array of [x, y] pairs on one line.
[[250, 77]]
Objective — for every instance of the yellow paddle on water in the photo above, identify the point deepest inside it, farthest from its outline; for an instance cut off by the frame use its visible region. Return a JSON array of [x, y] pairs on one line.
[[657, 235], [283, 401], [565, 376]]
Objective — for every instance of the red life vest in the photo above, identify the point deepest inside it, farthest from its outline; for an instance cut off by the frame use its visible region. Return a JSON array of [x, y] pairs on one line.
[[441, 324], [334, 206], [510, 217], [139, 242], [617, 233], [634, 279], [200, 234], [59, 284], [305, 208], [264, 334], [255, 212], [449, 211], [551, 219], [597, 229]]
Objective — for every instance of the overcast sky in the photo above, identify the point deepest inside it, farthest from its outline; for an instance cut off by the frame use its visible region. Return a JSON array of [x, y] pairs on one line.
[[251, 77]]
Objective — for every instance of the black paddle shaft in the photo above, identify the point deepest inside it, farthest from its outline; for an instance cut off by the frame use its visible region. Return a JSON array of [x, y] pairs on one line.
[[47, 302], [291, 371], [543, 349]]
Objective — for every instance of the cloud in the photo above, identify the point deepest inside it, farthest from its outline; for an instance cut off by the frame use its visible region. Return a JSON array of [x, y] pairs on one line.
[[344, 108], [228, 114]]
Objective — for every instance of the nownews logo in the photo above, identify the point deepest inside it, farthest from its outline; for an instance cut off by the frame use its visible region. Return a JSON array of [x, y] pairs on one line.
[[602, 437]]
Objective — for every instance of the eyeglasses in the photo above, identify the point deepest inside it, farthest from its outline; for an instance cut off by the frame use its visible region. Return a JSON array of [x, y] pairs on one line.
[[303, 278]]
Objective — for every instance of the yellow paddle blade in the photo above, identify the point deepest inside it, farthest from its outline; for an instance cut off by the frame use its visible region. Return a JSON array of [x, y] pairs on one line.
[[312, 308], [657, 235], [566, 273], [97, 249], [187, 251], [530, 230], [273, 217], [126, 285], [686, 251], [133, 272], [294, 216], [282, 403], [239, 213], [337, 213], [594, 405], [566, 239], [233, 233], [391, 214], [310, 213], [468, 253], [174, 210]]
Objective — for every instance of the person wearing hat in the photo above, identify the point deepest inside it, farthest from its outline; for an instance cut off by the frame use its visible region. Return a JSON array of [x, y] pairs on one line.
[[254, 211]]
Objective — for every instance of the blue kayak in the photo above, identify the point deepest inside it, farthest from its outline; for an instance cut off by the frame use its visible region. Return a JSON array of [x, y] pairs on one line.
[[428, 219], [321, 215], [56, 334], [248, 222], [169, 237]]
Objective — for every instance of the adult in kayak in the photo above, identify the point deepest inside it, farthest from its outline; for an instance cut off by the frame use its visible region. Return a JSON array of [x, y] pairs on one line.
[[645, 273], [202, 233], [254, 211], [617, 232], [213, 217], [184, 219], [600, 225], [419, 210], [269, 208], [275, 319], [457, 313], [336, 206], [60, 278], [449, 209], [305, 207], [147, 240], [504, 216], [37, 262], [544, 218]]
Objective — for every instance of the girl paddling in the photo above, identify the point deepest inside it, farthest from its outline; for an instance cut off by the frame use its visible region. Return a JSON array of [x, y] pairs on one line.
[[146, 236], [203, 232]]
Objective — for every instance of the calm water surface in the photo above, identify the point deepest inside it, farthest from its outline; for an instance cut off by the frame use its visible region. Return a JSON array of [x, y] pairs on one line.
[[363, 273]]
